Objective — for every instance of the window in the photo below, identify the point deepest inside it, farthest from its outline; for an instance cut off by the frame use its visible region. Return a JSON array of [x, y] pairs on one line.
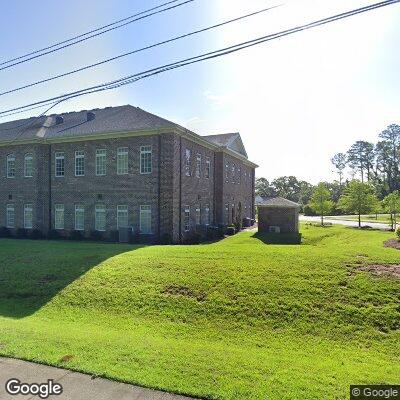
[[60, 164], [122, 160], [100, 217], [145, 159], [28, 216], [145, 219], [198, 165], [59, 216], [122, 216], [227, 172], [187, 162], [79, 163], [233, 173], [186, 219], [10, 216], [79, 217], [101, 168], [227, 212], [208, 168], [198, 215], [207, 220], [28, 165], [11, 166], [239, 176]]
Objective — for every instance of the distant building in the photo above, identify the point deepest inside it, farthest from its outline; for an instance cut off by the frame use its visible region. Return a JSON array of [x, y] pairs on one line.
[[106, 169]]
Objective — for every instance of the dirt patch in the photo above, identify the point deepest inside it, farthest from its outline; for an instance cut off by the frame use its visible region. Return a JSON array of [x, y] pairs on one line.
[[184, 291], [390, 270], [66, 358], [392, 243]]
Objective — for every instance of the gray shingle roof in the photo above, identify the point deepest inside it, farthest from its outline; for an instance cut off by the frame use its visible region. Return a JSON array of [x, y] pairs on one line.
[[275, 202], [107, 120], [223, 139]]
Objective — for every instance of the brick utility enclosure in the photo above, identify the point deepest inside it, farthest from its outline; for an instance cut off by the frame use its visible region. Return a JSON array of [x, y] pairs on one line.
[[120, 167], [278, 215]]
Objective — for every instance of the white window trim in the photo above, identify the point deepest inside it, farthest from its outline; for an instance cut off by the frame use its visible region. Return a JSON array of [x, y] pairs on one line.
[[143, 151], [55, 217], [188, 162], [198, 214], [98, 156], [75, 219], [143, 211], [120, 153], [26, 157], [10, 207], [59, 155], [10, 157], [96, 220], [119, 206], [207, 175], [28, 207], [186, 210], [198, 165], [80, 155]]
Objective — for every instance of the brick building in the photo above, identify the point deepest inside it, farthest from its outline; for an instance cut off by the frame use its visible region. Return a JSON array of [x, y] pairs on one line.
[[117, 167]]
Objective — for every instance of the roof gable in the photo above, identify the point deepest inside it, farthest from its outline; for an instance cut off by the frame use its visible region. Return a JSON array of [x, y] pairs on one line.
[[231, 141]]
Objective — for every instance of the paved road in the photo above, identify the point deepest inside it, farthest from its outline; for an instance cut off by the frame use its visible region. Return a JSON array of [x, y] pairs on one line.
[[76, 386], [375, 225]]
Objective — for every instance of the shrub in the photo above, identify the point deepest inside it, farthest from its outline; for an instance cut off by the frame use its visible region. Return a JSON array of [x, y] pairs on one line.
[[4, 232], [166, 238], [53, 234], [230, 230], [307, 210], [114, 236], [192, 238], [135, 237], [75, 235], [22, 233], [96, 235], [36, 234], [398, 232]]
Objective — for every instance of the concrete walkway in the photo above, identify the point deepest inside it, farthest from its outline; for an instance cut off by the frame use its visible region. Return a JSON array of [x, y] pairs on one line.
[[374, 225], [76, 386]]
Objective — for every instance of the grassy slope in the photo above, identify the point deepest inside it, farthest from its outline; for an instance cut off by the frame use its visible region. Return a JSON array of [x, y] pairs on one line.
[[232, 320]]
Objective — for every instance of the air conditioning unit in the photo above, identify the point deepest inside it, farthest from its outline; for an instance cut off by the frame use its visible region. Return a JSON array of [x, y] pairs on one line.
[[274, 229]]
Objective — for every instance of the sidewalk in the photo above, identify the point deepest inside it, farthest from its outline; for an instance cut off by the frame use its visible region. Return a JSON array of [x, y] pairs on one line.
[[76, 386]]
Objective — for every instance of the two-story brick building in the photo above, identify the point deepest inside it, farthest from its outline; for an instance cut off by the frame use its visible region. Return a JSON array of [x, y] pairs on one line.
[[117, 167]]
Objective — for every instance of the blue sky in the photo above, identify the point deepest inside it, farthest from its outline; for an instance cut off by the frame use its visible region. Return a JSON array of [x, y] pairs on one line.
[[296, 101]]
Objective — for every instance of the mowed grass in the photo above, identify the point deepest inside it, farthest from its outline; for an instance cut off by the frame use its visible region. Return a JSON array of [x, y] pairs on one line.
[[382, 218], [237, 319]]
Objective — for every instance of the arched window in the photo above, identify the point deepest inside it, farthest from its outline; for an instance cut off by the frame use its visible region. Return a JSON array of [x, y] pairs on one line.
[[28, 165]]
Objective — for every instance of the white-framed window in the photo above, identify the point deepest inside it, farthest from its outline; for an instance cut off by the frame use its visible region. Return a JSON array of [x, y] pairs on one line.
[[198, 215], [227, 211], [198, 165], [208, 168], [239, 178], [28, 216], [79, 217], [100, 217], [59, 164], [79, 163], [145, 219], [28, 165], [186, 219], [122, 160], [227, 172], [11, 166], [101, 162], [146, 159], [233, 173], [122, 216], [207, 219], [10, 216], [188, 155], [59, 216]]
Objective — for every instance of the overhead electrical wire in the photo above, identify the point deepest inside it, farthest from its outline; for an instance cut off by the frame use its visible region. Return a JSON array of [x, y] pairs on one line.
[[89, 35], [54, 101], [139, 50]]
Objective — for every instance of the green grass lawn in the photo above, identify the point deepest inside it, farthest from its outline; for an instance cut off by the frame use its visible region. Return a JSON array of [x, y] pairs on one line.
[[237, 319], [382, 218]]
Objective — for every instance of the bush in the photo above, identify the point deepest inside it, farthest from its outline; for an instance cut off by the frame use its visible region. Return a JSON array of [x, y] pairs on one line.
[[5, 232], [75, 235], [307, 210], [230, 230], [22, 233], [166, 238], [192, 238], [213, 232], [114, 236], [53, 234], [96, 235], [135, 237], [36, 234], [398, 232]]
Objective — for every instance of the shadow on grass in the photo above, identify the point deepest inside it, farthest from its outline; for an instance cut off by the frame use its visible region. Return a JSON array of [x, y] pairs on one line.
[[33, 272], [278, 238]]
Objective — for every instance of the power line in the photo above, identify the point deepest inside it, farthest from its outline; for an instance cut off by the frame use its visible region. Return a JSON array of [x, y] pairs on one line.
[[53, 48], [206, 56], [139, 50]]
